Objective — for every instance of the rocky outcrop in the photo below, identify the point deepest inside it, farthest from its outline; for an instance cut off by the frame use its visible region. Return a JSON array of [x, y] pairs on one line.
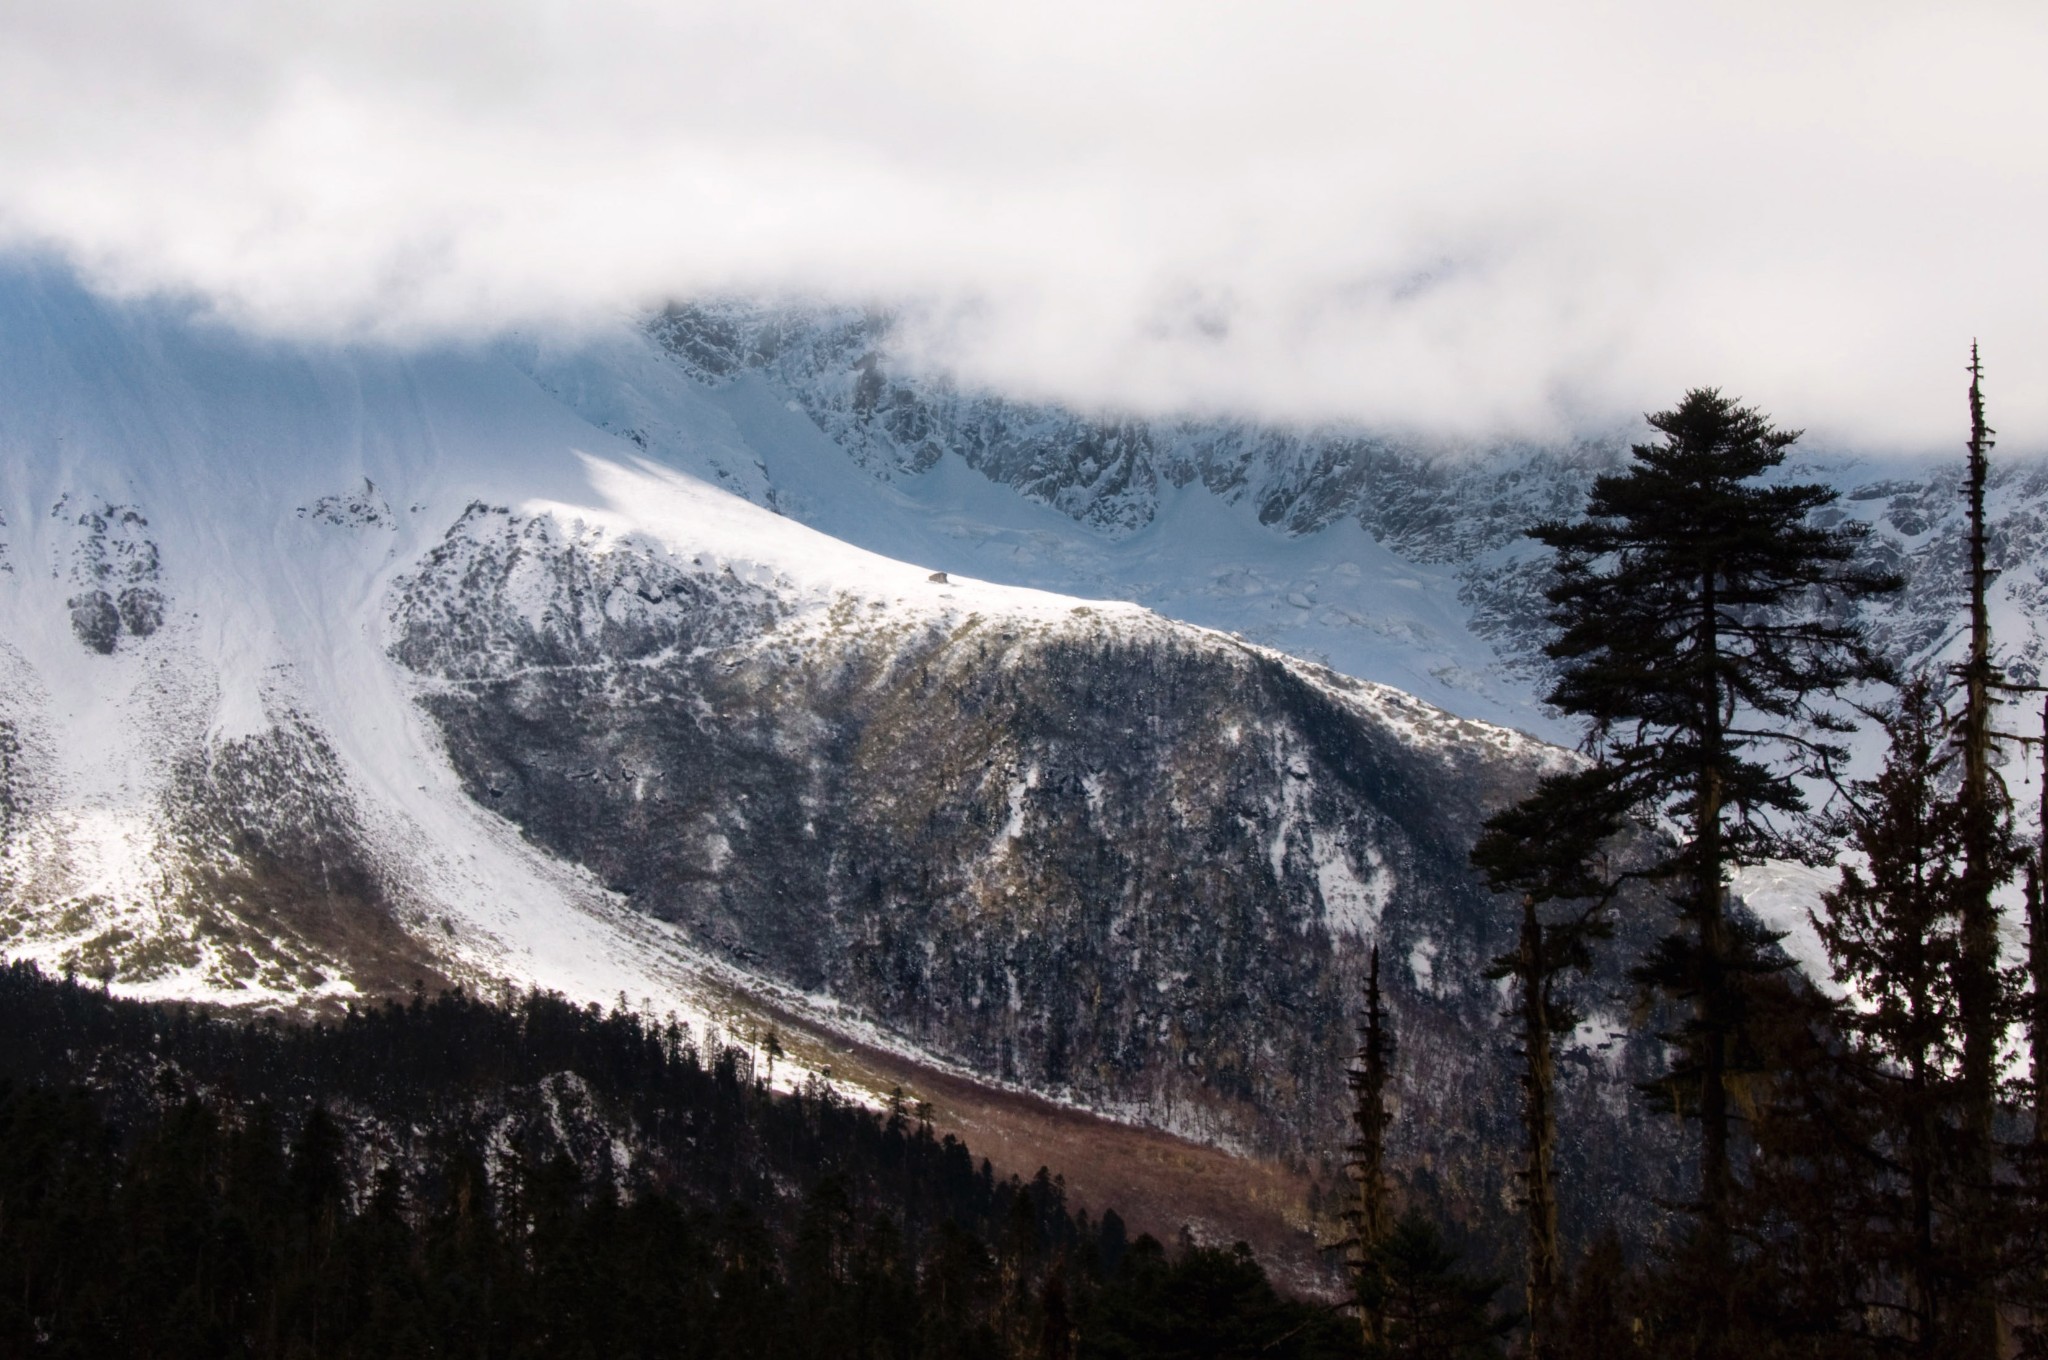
[[1091, 852], [115, 570], [1432, 503]]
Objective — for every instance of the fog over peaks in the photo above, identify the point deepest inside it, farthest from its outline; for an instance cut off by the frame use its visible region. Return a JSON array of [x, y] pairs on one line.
[[1465, 218]]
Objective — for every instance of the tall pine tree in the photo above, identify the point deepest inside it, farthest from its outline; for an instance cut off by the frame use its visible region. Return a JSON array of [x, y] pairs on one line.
[[1985, 811], [1701, 624], [1893, 933]]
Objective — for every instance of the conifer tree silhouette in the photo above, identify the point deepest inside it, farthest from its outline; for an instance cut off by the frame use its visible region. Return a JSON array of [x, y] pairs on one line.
[[1702, 620], [1550, 850]]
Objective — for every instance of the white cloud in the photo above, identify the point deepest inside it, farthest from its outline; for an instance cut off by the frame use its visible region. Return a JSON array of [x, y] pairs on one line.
[[1465, 217]]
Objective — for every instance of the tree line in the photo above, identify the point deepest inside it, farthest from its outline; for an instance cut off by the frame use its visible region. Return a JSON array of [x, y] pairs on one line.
[[452, 1177], [1870, 1156]]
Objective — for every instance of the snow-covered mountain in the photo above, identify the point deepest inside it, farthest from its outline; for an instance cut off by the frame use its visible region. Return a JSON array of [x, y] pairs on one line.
[[709, 663], [332, 671], [1390, 558], [1345, 550]]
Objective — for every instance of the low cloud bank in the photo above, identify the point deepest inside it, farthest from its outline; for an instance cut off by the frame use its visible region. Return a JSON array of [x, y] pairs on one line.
[[1464, 218]]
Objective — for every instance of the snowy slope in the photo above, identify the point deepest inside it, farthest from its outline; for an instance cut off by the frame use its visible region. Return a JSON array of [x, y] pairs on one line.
[[1338, 596], [222, 783], [284, 491], [326, 670], [275, 496]]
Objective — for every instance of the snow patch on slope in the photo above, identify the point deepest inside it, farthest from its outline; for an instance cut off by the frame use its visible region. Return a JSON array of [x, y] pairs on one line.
[[1353, 902], [1783, 895], [285, 496]]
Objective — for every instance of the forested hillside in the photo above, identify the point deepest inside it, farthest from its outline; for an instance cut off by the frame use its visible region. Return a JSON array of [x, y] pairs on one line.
[[455, 1177]]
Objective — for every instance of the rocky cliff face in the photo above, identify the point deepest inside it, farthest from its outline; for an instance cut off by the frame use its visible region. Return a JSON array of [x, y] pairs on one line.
[[1431, 503], [1093, 853], [1076, 848], [1464, 508]]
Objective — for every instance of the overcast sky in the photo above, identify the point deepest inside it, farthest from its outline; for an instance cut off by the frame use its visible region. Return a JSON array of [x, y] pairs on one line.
[[1465, 218]]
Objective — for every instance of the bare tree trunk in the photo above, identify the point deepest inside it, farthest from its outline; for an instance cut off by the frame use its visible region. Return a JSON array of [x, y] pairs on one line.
[[1539, 1114], [1977, 991], [1367, 1167], [1713, 1007], [2037, 1002], [1920, 1159]]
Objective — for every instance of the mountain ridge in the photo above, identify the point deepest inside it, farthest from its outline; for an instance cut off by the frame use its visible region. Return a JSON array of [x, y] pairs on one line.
[[592, 667]]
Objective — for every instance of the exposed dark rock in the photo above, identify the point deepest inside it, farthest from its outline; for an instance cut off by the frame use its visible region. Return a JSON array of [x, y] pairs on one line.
[[364, 509], [96, 620], [11, 795], [142, 610], [117, 567]]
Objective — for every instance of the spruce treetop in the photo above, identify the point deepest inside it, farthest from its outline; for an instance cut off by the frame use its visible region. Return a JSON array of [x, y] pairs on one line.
[[1702, 611]]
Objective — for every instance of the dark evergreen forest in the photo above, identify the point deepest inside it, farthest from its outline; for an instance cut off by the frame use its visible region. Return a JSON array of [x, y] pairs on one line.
[[454, 1177]]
